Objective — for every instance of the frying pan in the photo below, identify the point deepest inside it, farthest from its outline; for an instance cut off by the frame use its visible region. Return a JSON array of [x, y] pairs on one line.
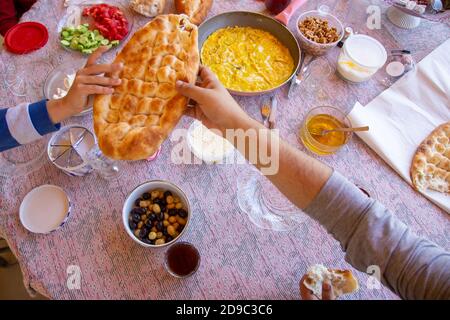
[[258, 21]]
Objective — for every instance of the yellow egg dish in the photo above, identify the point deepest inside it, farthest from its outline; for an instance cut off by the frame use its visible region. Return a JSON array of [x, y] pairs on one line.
[[247, 59]]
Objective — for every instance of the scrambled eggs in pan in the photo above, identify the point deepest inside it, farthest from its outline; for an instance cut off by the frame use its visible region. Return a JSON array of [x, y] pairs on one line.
[[247, 59]]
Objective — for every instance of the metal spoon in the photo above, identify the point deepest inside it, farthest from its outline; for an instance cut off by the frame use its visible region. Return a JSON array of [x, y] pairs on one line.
[[321, 132]]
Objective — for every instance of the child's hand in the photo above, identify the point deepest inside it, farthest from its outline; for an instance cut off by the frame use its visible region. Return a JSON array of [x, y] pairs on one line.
[[88, 81]]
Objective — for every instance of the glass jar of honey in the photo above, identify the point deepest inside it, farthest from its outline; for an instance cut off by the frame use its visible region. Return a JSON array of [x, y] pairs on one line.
[[324, 118]]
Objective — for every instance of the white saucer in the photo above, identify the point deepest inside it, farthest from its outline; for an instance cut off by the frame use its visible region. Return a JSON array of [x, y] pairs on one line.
[[44, 209]]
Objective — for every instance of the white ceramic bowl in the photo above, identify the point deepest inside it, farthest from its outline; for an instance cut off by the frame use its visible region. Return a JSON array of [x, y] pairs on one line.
[[146, 187]]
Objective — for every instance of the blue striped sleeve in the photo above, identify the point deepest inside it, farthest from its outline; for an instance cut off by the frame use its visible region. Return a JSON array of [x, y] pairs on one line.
[[40, 118], [6, 139]]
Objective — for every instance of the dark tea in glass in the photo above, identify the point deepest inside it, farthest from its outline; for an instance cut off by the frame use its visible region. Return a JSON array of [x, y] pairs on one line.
[[182, 259], [276, 6]]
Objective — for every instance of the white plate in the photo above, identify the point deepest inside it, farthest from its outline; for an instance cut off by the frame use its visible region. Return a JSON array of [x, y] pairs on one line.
[[44, 209]]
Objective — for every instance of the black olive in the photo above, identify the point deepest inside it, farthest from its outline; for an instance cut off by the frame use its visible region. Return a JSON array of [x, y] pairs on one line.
[[172, 212], [165, 232], [162, 202], [136, 210], [152, 242], [160, 216], [149, 223], [146, 196], [169, 238], [163, 208], [159, 226], [136, 203], [142, 210], [136, 217], [147, 241], [167, 193], [133, 225], [143, 233], [182, 213], [152, 216]]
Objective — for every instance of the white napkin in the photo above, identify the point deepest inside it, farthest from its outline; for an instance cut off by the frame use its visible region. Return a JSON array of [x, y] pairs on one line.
[[401, 117]]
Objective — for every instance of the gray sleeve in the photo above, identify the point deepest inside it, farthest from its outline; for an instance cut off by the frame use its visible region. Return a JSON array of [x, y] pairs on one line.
[[412, 267]]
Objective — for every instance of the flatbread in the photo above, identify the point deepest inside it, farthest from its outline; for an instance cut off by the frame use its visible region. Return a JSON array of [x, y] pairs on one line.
[[430, 167], [196, 10], [342, 281], [133, 122], [148, 8]]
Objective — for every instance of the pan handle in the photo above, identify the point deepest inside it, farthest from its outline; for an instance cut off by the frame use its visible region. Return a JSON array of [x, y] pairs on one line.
[[287, 13]]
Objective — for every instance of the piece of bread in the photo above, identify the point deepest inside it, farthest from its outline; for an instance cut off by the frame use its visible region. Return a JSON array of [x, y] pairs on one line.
[[148, 8], [342, 281], [196, 10], [430, 167], [133, 122]]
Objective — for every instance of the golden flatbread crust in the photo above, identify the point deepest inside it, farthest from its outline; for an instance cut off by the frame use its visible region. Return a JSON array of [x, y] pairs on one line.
[[196, 10], [133, 122], [430, 167]]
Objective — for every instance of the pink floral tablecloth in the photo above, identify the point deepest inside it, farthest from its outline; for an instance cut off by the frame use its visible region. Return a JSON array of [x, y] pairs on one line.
[[239, 260]]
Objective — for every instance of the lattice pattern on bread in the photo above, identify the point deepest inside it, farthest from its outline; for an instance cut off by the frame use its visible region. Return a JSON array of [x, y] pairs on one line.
[[132, 123], [430, 168]]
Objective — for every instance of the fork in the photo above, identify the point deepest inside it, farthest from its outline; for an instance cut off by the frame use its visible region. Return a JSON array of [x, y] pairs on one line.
[[265, 113]]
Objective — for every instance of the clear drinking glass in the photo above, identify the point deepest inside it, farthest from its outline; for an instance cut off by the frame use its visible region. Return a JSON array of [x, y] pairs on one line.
[[105, 167]]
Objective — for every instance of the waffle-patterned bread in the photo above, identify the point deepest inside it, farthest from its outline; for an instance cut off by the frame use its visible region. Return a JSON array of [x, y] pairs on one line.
[[133, 122], [196, 10], [430, 168]]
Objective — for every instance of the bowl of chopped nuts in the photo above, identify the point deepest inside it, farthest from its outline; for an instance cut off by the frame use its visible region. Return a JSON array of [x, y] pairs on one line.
[[318, 31], [156, 213]]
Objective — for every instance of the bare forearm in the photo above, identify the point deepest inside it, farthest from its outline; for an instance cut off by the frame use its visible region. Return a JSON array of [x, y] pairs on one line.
[[298, 176]]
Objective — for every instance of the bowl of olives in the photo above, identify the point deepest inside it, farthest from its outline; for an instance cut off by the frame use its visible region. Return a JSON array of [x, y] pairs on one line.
[[156, 213]]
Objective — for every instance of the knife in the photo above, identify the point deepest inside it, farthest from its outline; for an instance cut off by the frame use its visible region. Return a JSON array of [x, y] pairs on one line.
[[273, 111], [299, 70]]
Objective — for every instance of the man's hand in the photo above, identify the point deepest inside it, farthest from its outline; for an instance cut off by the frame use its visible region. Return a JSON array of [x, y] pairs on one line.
[[306, 294], [88, 81], [215, 107]]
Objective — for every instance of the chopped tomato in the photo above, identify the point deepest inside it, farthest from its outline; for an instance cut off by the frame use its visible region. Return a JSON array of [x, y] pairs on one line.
[[108, 20]]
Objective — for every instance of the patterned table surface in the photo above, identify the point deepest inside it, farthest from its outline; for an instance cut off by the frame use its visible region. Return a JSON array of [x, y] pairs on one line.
[[239, 260]]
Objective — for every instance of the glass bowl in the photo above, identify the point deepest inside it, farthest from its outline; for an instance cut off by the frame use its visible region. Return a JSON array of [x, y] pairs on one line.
[[315, 48], [56, 77], [328, 114], [76, 12]]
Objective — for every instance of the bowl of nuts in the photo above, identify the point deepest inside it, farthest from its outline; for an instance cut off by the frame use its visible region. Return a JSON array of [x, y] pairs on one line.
[[319, 31], [156, 213]]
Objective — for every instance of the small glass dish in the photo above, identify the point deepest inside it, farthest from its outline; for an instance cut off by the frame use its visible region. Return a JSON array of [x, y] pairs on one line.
[[74, 17], [398, 64], [324, 118], [315, 48], [57, 80]]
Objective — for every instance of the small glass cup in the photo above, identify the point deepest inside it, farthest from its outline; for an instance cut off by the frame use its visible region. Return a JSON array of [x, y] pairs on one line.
[[182, 259], [332, 118]]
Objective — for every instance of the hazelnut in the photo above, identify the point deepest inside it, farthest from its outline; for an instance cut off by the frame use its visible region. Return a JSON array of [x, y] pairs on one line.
[[171, 231]]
